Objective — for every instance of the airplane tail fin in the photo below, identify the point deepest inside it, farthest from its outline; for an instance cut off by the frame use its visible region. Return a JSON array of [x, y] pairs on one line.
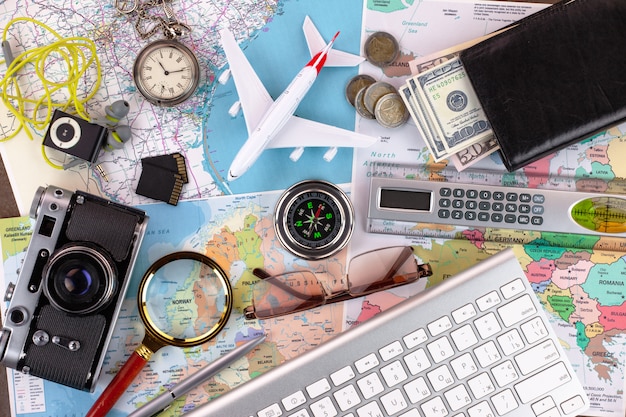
[[316, 43]]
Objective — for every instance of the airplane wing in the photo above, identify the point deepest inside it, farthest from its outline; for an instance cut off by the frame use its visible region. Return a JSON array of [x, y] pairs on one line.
[[316, 43], [254, 98], [300, 132]]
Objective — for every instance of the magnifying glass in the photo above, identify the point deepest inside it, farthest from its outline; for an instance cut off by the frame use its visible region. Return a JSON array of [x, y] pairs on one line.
[[184, 299]]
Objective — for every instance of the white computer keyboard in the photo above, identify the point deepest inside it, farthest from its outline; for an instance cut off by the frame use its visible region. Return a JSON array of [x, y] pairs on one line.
[[476, 345]]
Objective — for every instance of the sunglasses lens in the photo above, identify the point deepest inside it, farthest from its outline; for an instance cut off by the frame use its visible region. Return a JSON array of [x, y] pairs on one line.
[[381, 269], [287, 293]]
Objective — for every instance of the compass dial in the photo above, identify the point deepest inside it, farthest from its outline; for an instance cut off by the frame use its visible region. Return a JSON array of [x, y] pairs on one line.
[[314, 219]]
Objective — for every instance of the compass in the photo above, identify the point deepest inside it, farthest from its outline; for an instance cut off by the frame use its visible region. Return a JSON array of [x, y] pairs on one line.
[[314, 219]]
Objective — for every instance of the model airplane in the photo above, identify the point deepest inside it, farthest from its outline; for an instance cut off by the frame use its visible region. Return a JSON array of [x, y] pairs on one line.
[[272, 124]]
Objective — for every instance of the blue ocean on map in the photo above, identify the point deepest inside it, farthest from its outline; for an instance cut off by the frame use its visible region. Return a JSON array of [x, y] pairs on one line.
[[277, 52]]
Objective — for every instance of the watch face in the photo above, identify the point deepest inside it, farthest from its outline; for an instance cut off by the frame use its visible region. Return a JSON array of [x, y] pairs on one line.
[[314, 219], [166, 72]]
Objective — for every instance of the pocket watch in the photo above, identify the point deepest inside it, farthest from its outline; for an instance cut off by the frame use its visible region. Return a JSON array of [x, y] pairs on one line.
[[314, 219], [166, 72]]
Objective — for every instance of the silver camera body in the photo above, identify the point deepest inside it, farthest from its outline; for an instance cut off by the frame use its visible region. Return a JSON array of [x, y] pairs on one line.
[[71, 286]]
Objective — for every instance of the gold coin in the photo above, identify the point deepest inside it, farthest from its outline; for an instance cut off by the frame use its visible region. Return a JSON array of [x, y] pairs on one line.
[[376, 91], [359, 105], [390, 111], [356, 84], [381, 49]]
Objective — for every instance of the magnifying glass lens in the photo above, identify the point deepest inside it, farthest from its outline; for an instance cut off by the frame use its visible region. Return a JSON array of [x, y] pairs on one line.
[[186, 300]]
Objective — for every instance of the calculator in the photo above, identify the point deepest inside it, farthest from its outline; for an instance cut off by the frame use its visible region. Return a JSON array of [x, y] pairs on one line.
[[472, 205]]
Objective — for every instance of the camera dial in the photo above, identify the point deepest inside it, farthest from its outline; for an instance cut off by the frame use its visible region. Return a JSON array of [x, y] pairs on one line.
[[80, 279]]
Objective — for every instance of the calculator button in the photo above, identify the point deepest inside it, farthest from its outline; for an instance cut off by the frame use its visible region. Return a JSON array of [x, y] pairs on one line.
[[444, 202], [525, 198], [458, 192], [470, 215], [471, 193], [485, 195], [511, 196], [457, 214], [537, 209], [524, 208], [443, 213], [457, 204], [539, 199], [483, 217], [510, 218], [484, 205], [471, 205], [523, 219], [497, 206], [445, 192], [536, 220], [510, 207], [498, 195], [497, 217]]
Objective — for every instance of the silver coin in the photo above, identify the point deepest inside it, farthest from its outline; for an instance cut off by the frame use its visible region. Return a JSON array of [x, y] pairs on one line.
[[391, 111], [357, 83], [375, 92], [381, 49], [359, 105]]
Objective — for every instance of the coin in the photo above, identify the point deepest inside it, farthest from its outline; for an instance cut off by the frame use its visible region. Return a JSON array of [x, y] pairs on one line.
[[390, 111], [357, 83], [381, 49], [376, 91], [359, 105]]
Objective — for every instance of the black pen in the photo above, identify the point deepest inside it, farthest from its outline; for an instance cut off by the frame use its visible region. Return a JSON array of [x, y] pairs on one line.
[[161, 402]]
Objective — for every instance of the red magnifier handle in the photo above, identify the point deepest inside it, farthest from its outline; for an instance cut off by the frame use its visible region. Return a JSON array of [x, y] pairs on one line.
[[122, 380]]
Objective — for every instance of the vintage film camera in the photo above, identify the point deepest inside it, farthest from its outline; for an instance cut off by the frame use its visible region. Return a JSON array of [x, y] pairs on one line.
[[70, 289]]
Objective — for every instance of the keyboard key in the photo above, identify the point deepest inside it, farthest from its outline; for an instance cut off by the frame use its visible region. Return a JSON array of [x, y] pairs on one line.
[[370, 410], [487, 354], [504, 402], [417, 361], [537, 357], [488, 301], [481, 385], [440, 378], [512, 288], [347, 397], [504, 373], [393, 373], [417, 390], [487, 325], [415, 338], [344, 374], [510, 342], [440, 349], [294, 400], [481, 409], [370, 386], [543, 405], [301, 413], [324, 408], [463, 366], [517, 310], [464, 337], [434, 408], [457, 397], [365, 364], [573, 404], [391, 351], [464, 313], [439, 326], [393, 402], [318, 388], [542, 382], [270, 411], [534, 330]]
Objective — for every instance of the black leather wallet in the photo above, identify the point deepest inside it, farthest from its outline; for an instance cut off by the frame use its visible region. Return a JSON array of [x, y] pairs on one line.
[[554, 78]]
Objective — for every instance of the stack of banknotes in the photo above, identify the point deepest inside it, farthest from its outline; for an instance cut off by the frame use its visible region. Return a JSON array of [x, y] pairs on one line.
[[446, 110]]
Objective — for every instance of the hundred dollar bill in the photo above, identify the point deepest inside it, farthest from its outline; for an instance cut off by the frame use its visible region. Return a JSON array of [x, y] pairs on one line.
[[405, 93], [431, 136], [452, 105], [474, 153]]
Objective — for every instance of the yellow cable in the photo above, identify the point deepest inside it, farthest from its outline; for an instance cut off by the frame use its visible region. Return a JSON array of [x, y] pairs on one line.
[[77, 54]]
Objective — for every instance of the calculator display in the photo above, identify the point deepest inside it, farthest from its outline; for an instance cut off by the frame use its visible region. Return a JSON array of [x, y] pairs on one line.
[[405, 199]]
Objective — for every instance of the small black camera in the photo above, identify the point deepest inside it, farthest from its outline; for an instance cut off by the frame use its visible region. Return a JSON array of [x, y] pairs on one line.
[[75, 136], [70, 289]]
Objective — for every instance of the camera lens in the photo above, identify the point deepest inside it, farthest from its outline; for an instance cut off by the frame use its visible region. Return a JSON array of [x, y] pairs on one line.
[[80, 279]]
